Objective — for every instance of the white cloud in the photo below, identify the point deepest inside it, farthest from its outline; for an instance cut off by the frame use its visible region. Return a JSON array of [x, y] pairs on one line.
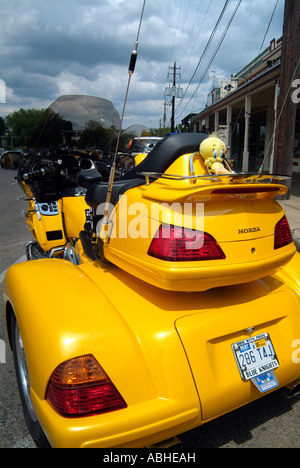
[[84, 46]]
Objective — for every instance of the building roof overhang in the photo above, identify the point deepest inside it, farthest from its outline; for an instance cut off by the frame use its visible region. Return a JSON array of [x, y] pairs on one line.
[[253, 86]]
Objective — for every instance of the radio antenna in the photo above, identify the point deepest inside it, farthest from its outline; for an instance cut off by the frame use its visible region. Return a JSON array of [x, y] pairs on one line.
[[104, 223]]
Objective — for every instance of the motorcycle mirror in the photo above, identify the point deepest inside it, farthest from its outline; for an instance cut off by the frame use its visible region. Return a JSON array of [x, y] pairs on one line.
[[11, 160]]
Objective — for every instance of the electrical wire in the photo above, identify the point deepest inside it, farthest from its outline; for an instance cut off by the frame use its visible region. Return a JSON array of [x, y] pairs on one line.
[[178, 17], [182, 29], [200, 29], [206, 47], [268, 26], [278, 119], [213, 56]]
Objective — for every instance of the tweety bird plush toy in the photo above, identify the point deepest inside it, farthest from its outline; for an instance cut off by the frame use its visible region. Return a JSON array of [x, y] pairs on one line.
[[212, 150]]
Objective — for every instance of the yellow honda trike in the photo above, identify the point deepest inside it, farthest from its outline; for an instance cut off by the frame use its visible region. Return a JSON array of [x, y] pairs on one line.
[[176, 302]]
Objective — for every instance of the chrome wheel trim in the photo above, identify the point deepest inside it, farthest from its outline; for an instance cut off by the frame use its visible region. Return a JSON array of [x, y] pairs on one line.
[[23, 373]]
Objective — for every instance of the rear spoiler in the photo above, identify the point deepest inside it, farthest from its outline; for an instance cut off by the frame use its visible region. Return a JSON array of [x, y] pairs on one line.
[[228, 184]]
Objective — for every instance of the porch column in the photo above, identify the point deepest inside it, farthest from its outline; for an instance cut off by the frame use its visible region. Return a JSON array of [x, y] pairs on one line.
[[228, 130], [246, 136], [276, 95], [268, 139], [216, 121], [207, 124]]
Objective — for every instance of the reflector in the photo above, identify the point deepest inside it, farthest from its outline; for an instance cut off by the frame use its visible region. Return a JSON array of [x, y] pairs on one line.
[[176, 244], [282, 234], [79, 387]]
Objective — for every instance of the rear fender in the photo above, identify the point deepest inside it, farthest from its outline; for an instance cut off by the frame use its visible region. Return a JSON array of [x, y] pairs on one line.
[[289, 274], [62, 314]]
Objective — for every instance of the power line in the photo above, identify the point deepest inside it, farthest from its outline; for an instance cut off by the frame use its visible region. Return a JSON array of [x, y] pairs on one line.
[[200, 29], [173, 92], [268, 26], [210, 39], [178, 17], [207, 45], [214, 54], [182, 30]]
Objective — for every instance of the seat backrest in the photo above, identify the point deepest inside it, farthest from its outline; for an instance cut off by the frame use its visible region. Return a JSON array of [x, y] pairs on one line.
[[166, 152], [158, 160], [97, 192]]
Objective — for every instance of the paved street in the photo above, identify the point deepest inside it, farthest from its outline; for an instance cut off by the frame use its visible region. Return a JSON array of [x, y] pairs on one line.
[[13, 236], [273, 421]]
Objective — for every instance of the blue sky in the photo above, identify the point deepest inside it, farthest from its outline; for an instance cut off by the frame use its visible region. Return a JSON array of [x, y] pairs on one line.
[[83, 47]]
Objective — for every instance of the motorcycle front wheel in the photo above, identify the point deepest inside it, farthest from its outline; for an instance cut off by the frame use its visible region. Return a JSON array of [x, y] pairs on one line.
[[20, 363]]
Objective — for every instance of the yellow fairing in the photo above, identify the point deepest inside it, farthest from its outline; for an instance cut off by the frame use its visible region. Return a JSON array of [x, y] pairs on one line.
[[74, 214], [169, 355], [51, 230], [48, 229]]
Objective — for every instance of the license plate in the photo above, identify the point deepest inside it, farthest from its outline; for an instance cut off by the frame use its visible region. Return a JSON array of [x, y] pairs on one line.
[[255, 356]]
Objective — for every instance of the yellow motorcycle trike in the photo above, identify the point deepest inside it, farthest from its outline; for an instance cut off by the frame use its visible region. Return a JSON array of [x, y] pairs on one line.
[[171, 305]]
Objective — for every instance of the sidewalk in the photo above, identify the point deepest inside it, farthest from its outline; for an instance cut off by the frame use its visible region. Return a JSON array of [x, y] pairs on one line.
[[292, 208]]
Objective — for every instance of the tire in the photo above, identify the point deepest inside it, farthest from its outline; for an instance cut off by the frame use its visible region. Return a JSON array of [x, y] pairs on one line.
[[30, 417]]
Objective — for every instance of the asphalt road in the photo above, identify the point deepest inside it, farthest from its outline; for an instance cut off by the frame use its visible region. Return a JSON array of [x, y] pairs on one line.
[[273, 421]]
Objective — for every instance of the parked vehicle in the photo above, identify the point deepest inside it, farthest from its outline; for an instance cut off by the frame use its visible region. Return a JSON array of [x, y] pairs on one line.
[[139, 145], [149, 312]]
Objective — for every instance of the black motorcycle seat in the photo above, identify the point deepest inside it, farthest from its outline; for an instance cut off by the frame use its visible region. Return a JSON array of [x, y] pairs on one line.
[[158, 160], [88, 177], [166, 152], [96, 193]]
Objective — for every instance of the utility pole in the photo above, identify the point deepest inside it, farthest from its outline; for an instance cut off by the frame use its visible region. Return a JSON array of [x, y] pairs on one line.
[[173, 92], [173, 100], [164, 118], [289, 71]]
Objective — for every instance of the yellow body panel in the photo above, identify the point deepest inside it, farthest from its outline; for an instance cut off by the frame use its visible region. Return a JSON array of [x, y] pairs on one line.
[[169, 354], [139, 158], [242, 223]]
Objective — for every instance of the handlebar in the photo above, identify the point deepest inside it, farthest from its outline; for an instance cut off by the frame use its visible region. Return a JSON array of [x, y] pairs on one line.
[[38, 173]]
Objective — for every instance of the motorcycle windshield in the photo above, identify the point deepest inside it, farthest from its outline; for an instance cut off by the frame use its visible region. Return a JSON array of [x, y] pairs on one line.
[[78, 121]]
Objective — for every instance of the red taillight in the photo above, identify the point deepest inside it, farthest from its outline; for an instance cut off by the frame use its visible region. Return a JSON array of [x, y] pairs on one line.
[[177, 244], [79, 387], [282, 234]]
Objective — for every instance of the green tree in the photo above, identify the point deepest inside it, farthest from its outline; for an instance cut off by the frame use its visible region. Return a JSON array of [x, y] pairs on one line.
[[52, 130], [96, 136], [2, 126], [23, 123]]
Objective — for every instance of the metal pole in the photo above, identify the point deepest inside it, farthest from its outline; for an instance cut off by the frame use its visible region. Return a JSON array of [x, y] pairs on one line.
[[104, 234], [173, 100]]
